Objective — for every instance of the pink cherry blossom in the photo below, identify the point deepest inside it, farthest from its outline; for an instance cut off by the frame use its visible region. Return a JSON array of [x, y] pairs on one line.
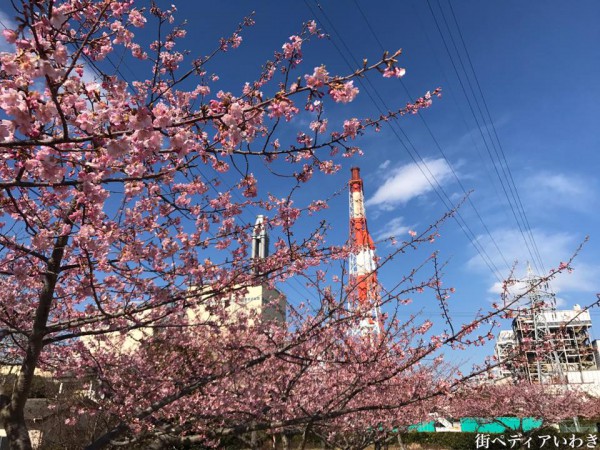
[[9, 35], [282, 108], [318, 79], [394, 72], [126, 231], [343, 93], [319, 126], [293, 48], [136, 18], [351, 127], [236, 40]]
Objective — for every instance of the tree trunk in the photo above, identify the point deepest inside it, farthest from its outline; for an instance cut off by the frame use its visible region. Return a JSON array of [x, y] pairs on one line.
[[12, 411], [16, 430], [400, 443], [303, 441], [254, 439], [285, 442]]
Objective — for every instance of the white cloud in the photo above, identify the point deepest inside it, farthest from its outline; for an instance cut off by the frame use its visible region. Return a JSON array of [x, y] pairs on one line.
[[559, 189], [560, 302], [583, 279], [407, 182], [553, 248], [521, 287], [394, 228], [384, 165], [559, 183]]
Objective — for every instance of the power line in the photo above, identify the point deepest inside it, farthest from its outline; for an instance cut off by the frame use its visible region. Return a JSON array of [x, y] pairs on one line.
[[420, 162], [503, 183], [448, 89], [520, 204], [486, 121], [437, 145]]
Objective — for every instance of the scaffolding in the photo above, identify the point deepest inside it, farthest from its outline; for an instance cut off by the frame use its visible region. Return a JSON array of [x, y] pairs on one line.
[[560, 343], [554, 343], [506, 346]]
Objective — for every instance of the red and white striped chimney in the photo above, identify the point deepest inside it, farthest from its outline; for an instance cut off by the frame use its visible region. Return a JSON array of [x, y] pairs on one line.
[[365, 297]]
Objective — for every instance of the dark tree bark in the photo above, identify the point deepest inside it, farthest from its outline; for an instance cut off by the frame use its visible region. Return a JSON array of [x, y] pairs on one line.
[[12, 413]]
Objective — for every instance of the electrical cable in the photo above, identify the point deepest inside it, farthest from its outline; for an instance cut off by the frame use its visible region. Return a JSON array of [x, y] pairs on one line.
[[520, 204], [503, 183], [437, 145], [422, 165]]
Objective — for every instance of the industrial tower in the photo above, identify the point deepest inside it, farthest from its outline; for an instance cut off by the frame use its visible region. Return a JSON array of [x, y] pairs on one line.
[[260, 240], [365, 295]]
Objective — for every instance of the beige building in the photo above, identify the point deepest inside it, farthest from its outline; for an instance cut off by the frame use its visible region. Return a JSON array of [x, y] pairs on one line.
[[124, 342], [254, 303], [257, 302]]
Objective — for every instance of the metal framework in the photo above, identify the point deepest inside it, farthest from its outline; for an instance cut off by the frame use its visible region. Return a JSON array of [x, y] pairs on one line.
[[555, 342], [506, 345], [365, 296]]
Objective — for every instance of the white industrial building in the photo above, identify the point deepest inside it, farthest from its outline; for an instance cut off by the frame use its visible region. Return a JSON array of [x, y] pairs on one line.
[[550, 346]]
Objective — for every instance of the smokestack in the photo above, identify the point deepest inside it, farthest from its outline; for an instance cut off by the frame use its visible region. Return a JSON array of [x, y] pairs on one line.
[[260, 239], [363, 267]]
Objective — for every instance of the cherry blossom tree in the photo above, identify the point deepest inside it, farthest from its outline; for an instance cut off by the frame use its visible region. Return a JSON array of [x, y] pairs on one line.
[[117, 219], [550, 404]]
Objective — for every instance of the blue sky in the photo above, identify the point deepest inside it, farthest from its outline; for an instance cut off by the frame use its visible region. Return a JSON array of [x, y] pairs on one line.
[[537, 64]]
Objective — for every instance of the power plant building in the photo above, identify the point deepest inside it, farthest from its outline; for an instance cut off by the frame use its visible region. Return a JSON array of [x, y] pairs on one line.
[[549, 346]]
